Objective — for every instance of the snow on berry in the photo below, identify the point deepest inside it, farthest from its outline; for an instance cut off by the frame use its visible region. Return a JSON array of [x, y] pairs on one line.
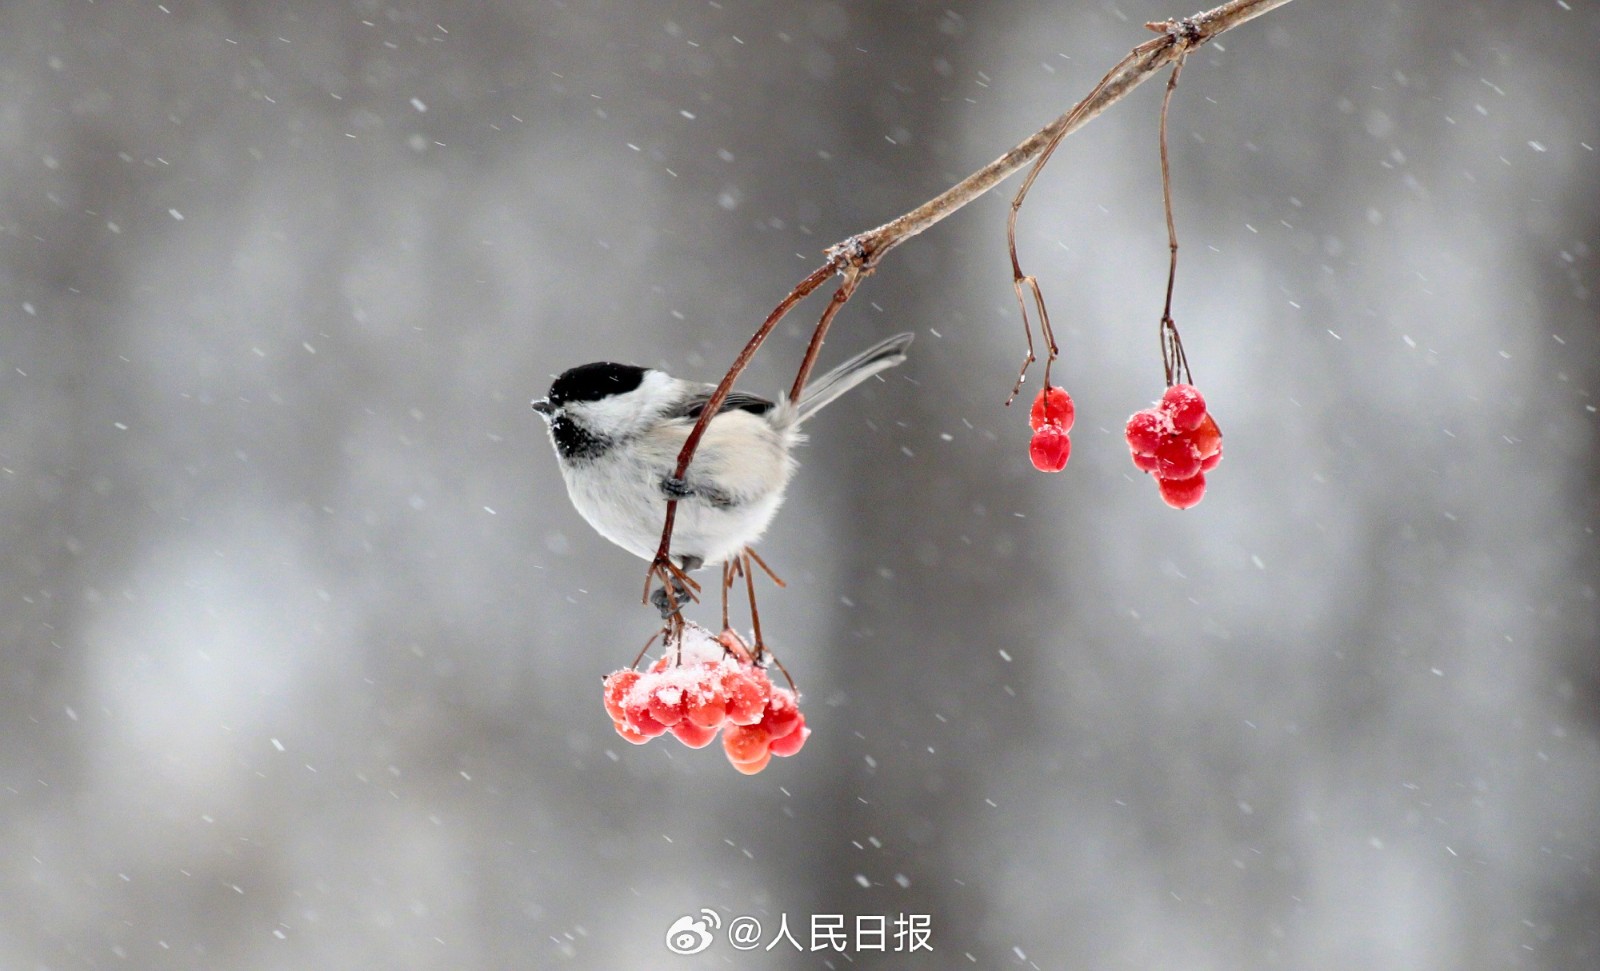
[[706, 685], [1050, 449], [617, 685], [747, 693], [708, 706], [630, 734], [1177, 459], [1178, 442], [782, 715], [636, 715], [668, 704], [1053, 406], [1185, 406], [1146, 431]]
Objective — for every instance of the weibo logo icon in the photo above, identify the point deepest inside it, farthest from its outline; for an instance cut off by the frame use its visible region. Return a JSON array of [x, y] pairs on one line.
[[690, 934]]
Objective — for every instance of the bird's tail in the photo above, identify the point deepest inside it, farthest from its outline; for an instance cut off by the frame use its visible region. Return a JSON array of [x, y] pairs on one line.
[[879, 357]]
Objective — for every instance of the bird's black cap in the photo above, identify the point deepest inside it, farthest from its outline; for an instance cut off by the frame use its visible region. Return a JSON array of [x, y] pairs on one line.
[[592, 382]]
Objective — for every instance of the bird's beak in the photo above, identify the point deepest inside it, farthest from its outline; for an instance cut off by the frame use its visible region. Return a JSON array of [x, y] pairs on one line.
[[543, 407]]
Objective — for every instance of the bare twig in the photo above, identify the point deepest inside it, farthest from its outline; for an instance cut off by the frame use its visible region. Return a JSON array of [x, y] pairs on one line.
[[859, 255]]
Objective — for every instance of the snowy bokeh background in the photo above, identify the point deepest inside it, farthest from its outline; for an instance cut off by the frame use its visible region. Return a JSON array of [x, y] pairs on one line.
[[302, 642]]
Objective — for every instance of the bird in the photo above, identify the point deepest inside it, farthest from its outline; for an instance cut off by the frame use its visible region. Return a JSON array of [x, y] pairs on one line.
[[617, 430]]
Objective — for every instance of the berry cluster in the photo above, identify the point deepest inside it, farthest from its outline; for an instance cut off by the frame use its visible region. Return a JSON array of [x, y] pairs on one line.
[[1051, 419], [1178, 442], [709, 683]]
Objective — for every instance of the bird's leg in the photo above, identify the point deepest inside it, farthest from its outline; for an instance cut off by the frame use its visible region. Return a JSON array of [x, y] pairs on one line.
[[752, 554]]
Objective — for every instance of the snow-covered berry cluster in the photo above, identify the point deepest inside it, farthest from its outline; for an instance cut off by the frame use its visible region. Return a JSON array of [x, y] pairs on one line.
[[1051, 419], [1178, 442], [708, 684]]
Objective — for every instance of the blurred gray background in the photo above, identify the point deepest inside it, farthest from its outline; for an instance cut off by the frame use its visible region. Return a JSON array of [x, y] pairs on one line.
[[302, 642]]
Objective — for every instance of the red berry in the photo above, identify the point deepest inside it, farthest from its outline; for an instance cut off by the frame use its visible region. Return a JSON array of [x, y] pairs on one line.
[[1177, 459], [630, 734], [1049, 449], [1053, 406], [616, 688], [1146, 431], [1184, 405], [667, 704], [692, 735], [751, 768], [745, 743], [782, 715], [636, 715], [706, 705], [792, 742], [746, 693], [1211, 461], [1145, 463], [1206, 436], [1182, 493]]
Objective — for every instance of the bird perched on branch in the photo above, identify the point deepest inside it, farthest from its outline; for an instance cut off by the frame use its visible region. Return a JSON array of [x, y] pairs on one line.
[[617, 431]]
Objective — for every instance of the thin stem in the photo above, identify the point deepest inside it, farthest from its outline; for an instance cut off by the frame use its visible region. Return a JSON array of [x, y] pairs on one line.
[[1166, 186], [762, 652], [1173, 358], [755, 615], [1018, 278], [853, 275], [640, 656], [802, 290]]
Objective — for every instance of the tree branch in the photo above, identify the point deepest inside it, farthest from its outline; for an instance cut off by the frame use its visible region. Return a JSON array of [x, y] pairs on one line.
[[1179, 38], [858, 256]]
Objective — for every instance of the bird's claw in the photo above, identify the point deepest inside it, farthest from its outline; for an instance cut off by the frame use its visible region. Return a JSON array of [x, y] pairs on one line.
[[675, 488], [668, 603], [677, 587]]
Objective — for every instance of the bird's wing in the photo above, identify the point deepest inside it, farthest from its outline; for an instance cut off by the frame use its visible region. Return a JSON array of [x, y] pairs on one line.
[[692, 406]]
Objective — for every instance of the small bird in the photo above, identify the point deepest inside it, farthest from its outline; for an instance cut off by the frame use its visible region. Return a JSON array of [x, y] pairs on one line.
[[617, 430]]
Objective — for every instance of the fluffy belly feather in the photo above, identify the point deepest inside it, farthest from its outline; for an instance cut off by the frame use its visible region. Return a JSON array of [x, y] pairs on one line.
[[628, 510]]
